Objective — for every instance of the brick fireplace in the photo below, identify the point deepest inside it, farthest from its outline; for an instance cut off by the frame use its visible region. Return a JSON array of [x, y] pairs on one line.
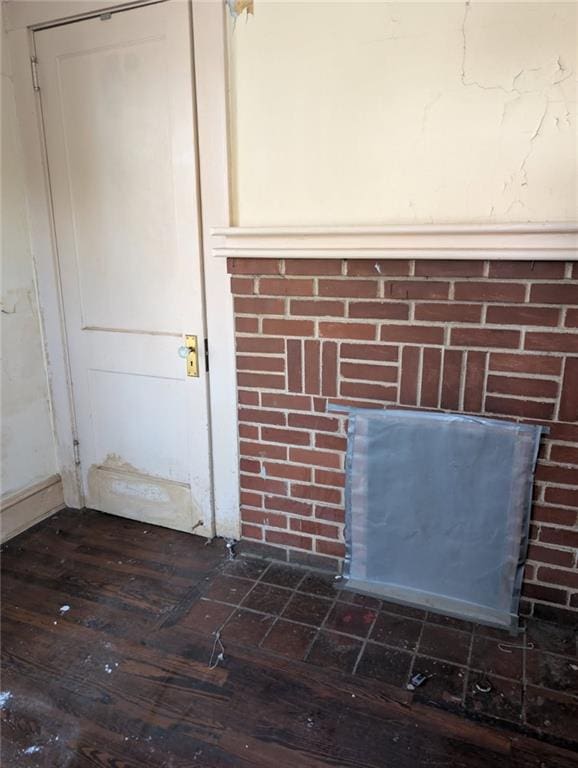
[[491, 338]]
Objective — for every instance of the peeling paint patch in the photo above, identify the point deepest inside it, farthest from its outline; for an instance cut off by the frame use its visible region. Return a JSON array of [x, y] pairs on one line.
[[117, 487], [150, 493], [238, 7]]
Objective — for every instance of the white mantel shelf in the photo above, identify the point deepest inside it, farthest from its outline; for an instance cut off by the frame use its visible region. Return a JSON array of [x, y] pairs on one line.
[[529, 242]]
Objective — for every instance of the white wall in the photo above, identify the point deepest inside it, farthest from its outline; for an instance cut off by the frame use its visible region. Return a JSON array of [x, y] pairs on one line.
[[28, 451], [377, 113]]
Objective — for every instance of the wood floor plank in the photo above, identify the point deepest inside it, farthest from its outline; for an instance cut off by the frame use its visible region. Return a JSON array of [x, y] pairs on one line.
[[285, 734], [122, 678]]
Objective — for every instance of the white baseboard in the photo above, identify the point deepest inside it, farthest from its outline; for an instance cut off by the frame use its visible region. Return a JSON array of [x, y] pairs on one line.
[[24, 509]]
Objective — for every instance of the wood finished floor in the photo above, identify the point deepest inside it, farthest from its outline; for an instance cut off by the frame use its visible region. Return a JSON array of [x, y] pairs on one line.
[[121, 679]]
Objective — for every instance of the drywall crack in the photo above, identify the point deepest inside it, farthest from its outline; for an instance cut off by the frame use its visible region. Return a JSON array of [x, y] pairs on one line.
[[516, 202], [561, 74], [533, 137], [464, 80], [426, 110], [464, 45], [565, 74], [520, 73], [507, 105], [540, 124]]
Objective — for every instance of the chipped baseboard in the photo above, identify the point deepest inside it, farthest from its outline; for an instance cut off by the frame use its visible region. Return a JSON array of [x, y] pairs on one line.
[[24, 509]]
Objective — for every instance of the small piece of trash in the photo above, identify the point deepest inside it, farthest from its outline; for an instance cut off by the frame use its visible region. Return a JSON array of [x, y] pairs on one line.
[[64, 609], [509, 647], [310, 722], [483, 686], [108, 669], [231, 544], [32, 750], [573, 667], [215, 659], [5, 697], [417, 680]]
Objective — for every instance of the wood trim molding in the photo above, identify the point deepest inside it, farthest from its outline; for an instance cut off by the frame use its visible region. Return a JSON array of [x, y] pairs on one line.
[[532, 242], [43, 245], [24, 509], [36, 14], [210, 56]]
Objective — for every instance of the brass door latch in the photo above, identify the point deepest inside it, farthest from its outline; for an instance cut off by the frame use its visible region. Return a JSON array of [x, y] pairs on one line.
[[190, 351]]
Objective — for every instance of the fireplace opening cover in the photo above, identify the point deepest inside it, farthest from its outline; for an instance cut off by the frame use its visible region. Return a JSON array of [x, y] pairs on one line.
[[438, 511]]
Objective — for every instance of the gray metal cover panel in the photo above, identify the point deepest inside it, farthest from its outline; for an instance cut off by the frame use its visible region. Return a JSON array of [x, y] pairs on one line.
[[438, 510]]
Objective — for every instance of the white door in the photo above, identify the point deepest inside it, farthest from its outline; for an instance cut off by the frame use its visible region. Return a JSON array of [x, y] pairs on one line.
[[118, 107]]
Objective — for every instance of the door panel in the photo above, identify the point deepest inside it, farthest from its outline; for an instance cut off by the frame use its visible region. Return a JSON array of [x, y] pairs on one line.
[[113, 394], [118, 107], [130, 167]]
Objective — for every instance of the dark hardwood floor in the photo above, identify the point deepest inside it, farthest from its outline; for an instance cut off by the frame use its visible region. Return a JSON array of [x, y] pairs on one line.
[[107, 632]]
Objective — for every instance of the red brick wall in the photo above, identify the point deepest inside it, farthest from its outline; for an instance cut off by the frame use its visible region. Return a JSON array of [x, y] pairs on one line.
[[490, 338]]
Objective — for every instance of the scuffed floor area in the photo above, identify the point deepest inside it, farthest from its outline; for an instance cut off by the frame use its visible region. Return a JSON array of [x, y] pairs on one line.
[[107, 634]]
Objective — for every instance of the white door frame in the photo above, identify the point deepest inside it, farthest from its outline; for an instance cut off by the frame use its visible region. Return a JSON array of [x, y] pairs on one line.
[[210, 66]]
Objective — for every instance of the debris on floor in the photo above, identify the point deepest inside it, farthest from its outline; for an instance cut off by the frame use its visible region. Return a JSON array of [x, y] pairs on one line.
[[417, 681], [231, 544], [215, 659], [510, 647], [275, 629], [5, 697]]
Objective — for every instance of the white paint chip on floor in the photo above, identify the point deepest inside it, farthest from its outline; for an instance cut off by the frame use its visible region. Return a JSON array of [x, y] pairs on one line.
[[5, 697]]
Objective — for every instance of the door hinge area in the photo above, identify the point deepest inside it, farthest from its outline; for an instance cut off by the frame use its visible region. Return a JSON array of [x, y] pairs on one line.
[[34, 68], [76, 447], [206, 355]]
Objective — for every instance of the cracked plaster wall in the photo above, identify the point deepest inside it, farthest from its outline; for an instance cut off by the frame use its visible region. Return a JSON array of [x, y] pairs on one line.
[[28, 452], [375, 113]]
